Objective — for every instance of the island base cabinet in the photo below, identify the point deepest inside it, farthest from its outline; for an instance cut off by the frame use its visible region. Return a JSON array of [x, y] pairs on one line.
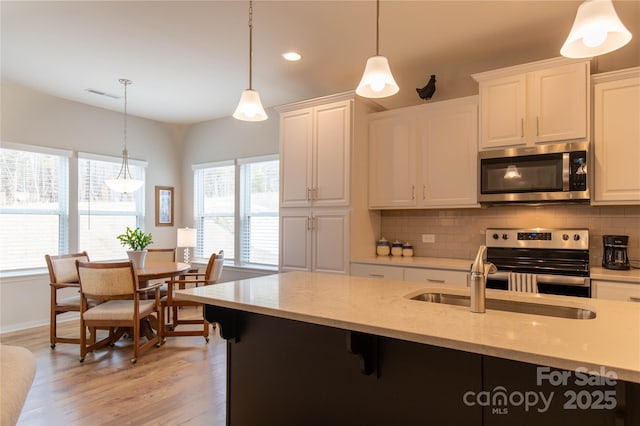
[[286, 372]]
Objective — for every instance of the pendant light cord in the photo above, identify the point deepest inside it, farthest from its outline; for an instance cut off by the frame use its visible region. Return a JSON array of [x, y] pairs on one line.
[[250, 44], [125, 153], [377, 27]]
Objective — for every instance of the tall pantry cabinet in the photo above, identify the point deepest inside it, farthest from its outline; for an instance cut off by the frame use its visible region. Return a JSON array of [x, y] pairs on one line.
[[324, 219]]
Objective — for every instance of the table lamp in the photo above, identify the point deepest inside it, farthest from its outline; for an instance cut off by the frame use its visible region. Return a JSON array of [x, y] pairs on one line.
[[186, 239]]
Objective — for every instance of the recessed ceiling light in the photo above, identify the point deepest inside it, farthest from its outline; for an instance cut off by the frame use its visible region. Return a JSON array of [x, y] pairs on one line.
[[292, 56]]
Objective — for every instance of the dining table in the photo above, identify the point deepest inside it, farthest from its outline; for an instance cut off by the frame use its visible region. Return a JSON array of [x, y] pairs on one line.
[[155, 271]]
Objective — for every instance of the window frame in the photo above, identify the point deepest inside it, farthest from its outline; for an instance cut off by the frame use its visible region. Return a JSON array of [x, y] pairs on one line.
[[64, 189], [239, 203]]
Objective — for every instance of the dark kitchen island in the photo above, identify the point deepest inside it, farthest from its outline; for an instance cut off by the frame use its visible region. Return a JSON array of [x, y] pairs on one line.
[[306, 348]]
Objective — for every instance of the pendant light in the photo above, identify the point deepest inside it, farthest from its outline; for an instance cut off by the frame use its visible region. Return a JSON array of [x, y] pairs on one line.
[[377, 80], [250, 108], [596, 30], [124, 182]]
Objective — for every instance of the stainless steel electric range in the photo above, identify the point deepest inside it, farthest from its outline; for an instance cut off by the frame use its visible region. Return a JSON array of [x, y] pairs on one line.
[[558, 257]]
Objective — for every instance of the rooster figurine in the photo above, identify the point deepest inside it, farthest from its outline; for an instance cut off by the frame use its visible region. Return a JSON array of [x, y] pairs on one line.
[[427, 91]]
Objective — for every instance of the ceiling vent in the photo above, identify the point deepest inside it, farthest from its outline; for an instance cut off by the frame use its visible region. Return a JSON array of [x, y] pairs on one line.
[[101, 93]]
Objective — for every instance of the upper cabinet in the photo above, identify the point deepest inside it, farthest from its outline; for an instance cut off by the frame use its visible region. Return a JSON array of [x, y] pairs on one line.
[[314, 154], [616, 137], [424, 156], [539, 102]]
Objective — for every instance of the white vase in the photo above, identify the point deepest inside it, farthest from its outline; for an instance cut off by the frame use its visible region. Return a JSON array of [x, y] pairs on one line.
[[137, 257]]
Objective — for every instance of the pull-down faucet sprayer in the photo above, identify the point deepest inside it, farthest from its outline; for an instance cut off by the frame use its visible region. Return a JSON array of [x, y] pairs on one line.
[[480, 269]]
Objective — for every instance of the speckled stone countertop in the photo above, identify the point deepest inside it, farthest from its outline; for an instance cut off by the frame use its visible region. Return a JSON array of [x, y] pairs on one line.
[[383, 307]]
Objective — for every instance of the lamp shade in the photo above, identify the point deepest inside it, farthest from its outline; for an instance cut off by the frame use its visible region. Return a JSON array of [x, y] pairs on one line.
[[377, 80], [250, 108], [186, 237], [124, 185], [596, 30]]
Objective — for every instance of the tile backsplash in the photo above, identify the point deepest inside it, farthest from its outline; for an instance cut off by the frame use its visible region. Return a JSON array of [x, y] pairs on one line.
[[458, 233]]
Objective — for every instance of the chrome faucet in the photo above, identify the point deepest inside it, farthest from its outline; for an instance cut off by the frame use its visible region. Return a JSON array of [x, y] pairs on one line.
[[480, 269]]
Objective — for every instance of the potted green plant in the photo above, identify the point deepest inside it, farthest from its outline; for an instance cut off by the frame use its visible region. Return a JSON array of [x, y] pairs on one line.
[[137, 241]]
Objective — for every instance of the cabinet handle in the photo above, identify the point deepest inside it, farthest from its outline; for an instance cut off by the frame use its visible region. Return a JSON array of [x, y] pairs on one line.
[[314, 194], [308, 194], [429, 280], [537, 126], [634, 299], [376, 275], [413, 192], [424, 192], [522, 127], [309, 223]]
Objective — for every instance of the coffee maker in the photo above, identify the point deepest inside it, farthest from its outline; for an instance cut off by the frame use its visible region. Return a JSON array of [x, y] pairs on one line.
[[614, 254]]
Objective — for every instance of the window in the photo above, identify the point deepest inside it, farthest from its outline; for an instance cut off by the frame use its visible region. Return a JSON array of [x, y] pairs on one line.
[[103, 213], [236, 209], [34, 205]]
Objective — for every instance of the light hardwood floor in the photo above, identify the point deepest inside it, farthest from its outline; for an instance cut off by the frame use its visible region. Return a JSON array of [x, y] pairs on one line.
[[182, 382]]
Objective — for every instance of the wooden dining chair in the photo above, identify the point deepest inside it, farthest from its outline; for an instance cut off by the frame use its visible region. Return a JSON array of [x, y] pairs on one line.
[[161, 255], [172, 301], [63, 275], [123, 306]]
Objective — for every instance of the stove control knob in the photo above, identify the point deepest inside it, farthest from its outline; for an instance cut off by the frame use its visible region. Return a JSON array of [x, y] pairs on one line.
[[565, 237], [505, 236], [576, 237], [495, 236]]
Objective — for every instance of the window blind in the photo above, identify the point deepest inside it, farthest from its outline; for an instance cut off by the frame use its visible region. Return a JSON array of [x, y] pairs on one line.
[[34, 205]]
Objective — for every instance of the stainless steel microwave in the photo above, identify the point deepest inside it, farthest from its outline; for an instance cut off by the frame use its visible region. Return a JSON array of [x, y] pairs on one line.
[[534, 174]]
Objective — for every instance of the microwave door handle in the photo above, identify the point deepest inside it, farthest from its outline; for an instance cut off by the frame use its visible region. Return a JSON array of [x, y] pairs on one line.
[[566, 171]]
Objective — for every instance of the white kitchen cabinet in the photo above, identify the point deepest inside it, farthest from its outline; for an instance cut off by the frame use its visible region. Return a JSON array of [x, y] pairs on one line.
[[393, 142], [377, 271], [437, 277], [616, 97], [425, 156], [315, 155], [324, 215], [539, 102], [314, 241], [448, 154], [614, 290]]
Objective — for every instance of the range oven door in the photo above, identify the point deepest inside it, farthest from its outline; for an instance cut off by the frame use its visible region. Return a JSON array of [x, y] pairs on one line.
[[547, 284]]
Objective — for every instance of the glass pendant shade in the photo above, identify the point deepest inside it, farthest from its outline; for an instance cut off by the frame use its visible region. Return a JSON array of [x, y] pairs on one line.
[[377, 80], [596, 30], [250, 108], [124, 185]]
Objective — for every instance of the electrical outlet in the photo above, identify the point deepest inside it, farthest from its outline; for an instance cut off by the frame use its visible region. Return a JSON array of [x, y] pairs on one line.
[[428, 238]]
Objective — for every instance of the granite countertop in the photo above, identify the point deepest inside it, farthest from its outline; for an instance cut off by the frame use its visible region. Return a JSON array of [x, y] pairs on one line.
[[611, 341], [599, 273]]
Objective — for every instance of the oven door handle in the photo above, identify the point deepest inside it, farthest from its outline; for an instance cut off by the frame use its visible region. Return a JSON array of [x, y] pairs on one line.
[[548, 279]]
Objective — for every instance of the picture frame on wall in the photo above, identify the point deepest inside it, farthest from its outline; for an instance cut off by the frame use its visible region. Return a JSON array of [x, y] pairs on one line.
[[164, 205]]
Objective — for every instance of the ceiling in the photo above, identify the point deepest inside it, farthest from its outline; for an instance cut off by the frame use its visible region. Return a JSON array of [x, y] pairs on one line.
[[188, 60]]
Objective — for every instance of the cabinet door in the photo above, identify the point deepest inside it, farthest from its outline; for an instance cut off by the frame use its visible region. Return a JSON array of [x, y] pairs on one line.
[[295, 158], [330, 242], [295, 242], [449, 152], [392, 159], [616, 291], [617, 142], [332, 144], [502, 111], [558, 103]]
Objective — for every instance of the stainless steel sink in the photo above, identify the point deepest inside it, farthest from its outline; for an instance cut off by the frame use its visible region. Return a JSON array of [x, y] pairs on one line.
[[558, 311]]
